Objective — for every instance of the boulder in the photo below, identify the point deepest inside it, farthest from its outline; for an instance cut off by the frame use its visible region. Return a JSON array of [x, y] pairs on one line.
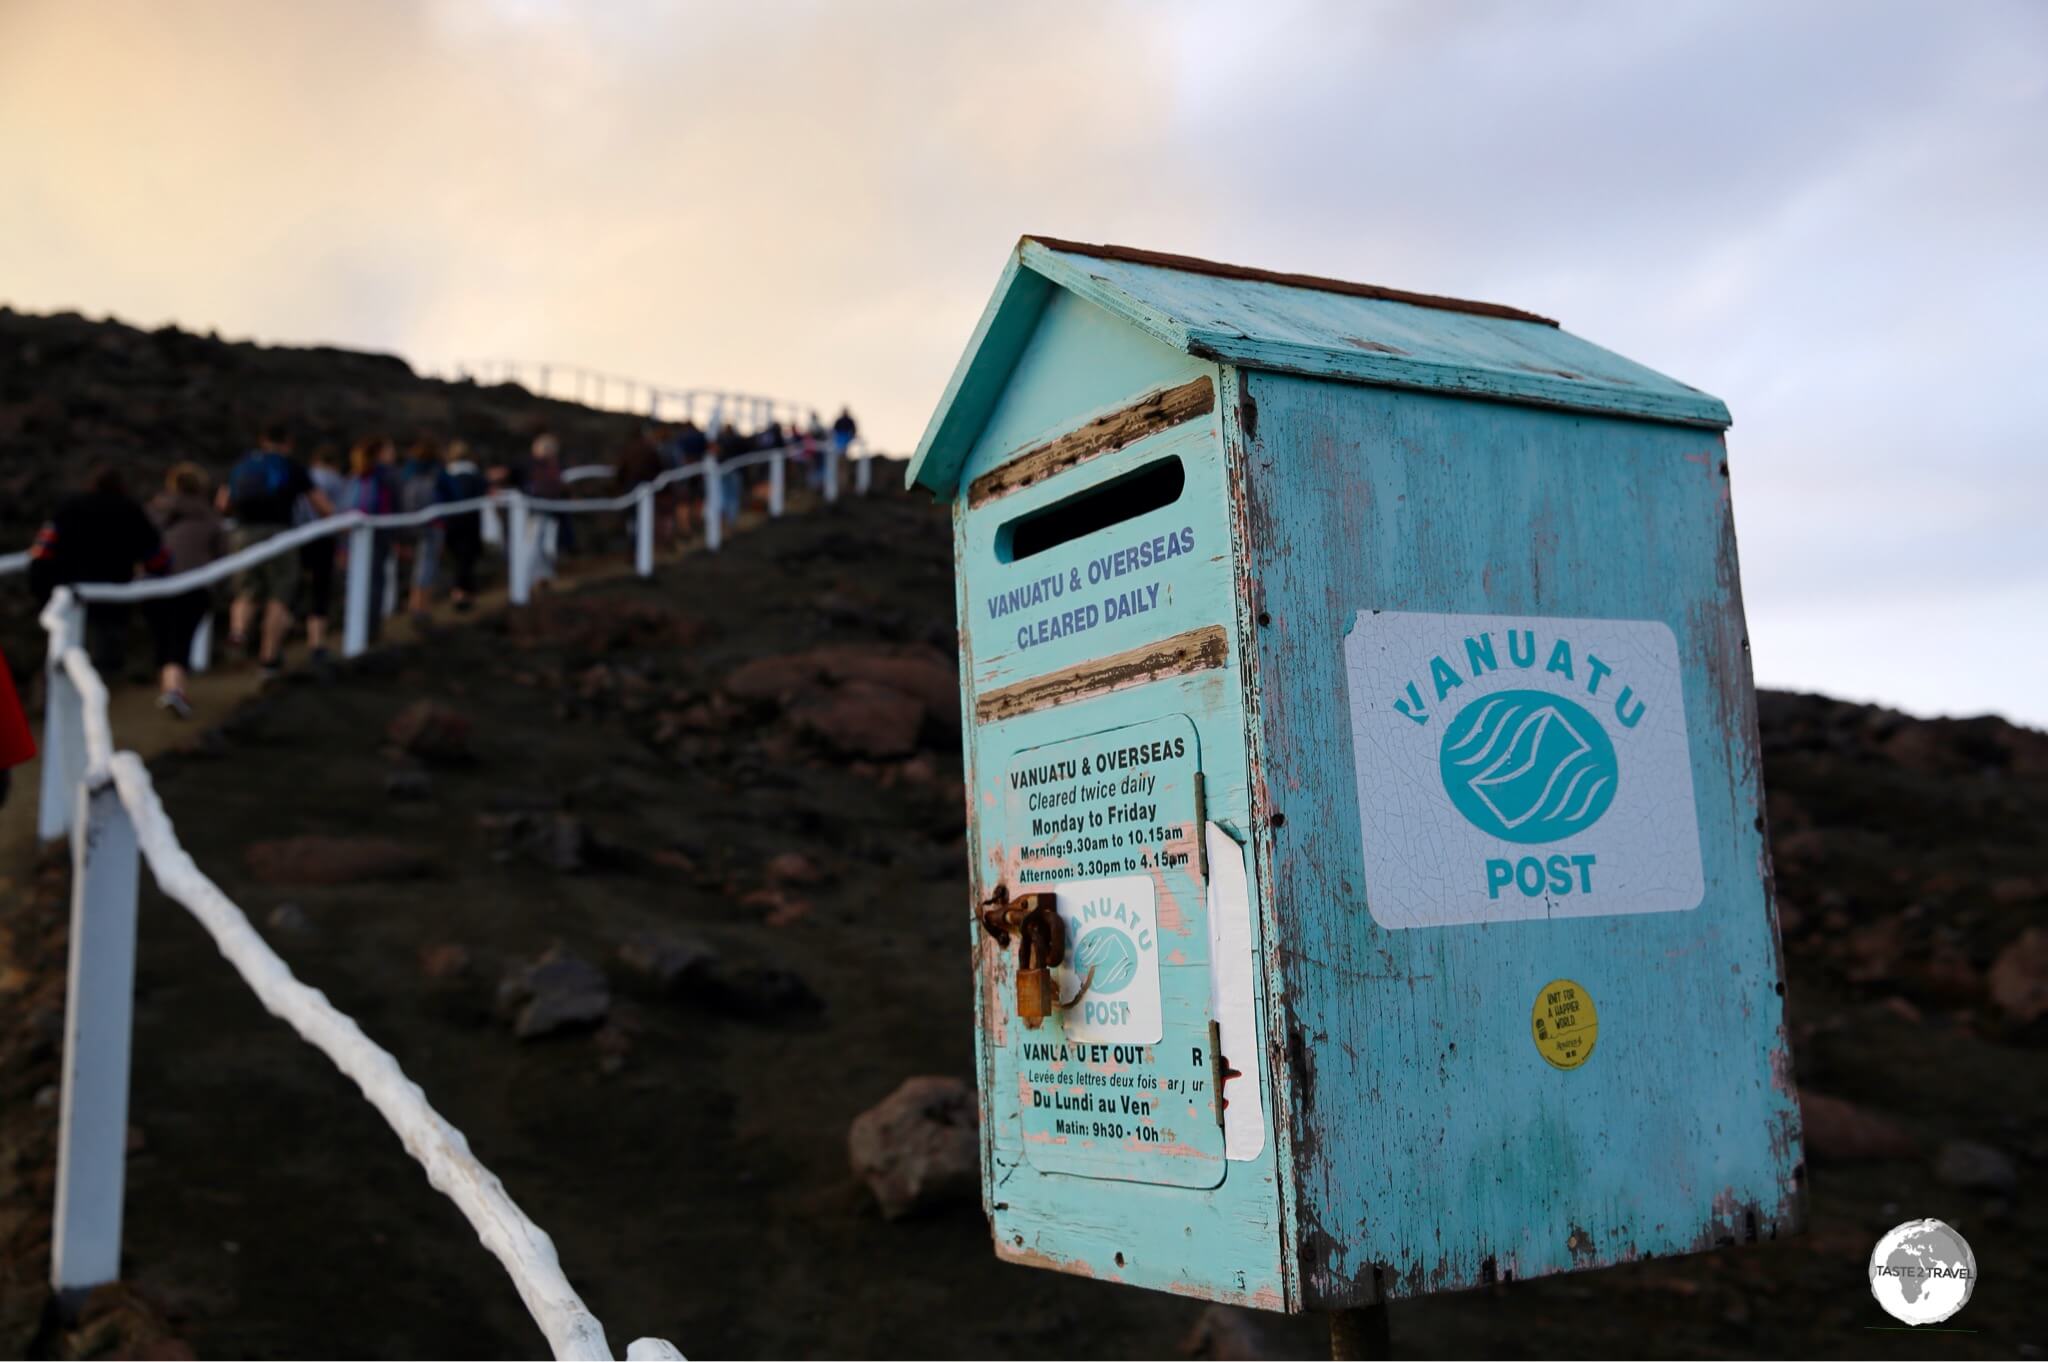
[[756, 993], [918, 1149], [1976, 1167], [289, 919], [558, 841], [862, 720], [557, 992], [668, 962], [1838, 1129], [2019, 977], [318, 859], [774, 680], [930, 677], [430, 731], [444, 961], [793, 867], [1226, 1333]]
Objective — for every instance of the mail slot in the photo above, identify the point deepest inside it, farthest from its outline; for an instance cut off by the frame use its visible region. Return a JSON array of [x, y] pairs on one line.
[[1360, 726]]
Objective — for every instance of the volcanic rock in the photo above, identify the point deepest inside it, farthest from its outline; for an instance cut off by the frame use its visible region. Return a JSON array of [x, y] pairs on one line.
[[557, 992], [918, 1148], [431, 731], [318, 859]]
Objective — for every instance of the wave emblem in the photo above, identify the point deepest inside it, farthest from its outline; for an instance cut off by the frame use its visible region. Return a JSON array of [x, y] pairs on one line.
[[1526, 766], [1110, 954]]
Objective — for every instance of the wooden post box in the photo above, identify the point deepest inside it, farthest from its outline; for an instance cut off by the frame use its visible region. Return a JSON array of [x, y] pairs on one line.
[[1371, 888]]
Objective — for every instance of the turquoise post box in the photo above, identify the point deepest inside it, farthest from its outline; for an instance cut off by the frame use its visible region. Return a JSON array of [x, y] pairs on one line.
[[1371, 890]]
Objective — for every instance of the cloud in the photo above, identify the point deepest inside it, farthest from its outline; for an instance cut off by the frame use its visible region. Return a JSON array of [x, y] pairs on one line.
[[1828, 215]]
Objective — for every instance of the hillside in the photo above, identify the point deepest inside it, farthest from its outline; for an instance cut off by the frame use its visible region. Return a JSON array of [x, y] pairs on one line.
[[633, 786], [670, 885], [74, 391]]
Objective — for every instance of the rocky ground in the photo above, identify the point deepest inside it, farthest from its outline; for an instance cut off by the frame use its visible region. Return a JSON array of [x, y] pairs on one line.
[[657, 888]]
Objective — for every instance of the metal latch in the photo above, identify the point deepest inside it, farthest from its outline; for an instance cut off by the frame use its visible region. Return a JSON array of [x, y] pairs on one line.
[[1041, 948]]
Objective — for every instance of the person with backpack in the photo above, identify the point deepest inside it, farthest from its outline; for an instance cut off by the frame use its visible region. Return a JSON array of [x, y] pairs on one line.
[[261, 492], [462, 534], [100, 535], [193, 535]]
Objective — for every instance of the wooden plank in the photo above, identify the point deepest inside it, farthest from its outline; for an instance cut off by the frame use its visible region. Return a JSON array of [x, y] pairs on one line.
[[1194, 651], [1150, 414]]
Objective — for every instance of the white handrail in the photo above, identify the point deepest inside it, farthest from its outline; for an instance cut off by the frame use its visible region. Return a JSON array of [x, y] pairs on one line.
[[105, 799], [525, 1250], [283, 542]]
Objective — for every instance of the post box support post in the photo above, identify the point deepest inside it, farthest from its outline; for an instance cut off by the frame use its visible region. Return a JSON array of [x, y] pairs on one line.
[[92, 1132]]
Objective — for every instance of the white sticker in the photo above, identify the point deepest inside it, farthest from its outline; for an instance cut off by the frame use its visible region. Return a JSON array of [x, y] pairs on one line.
[[1233, 983], [1513, 768], [1112, 947]]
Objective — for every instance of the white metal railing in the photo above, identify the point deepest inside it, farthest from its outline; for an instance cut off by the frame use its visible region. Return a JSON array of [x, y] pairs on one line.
[[493, 532], [615, 392], [107, 802]]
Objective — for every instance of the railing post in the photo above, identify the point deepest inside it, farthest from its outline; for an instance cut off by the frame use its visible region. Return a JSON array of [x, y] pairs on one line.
[[92, 1133], [643, 523], [518, 549], [387, 590], [202, 644], [831, 472], [775, 484], [63, 728], [355, 605], [714, 504], [863, 474]]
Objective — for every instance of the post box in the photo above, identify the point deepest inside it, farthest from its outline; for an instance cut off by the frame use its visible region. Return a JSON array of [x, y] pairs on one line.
[[1371, 894]]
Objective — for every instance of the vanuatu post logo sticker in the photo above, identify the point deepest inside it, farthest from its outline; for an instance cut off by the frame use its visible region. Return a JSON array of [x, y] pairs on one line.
[[1516, 767]]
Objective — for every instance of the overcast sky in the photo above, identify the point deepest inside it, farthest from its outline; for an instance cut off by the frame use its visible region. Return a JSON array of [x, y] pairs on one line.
[[1834, 217]]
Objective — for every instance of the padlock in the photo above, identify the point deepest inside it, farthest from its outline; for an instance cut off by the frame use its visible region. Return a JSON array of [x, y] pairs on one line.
[[1034, 995], [1041, 948]]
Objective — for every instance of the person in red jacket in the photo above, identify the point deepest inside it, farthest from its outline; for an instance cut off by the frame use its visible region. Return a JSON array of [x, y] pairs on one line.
[[17, 740]]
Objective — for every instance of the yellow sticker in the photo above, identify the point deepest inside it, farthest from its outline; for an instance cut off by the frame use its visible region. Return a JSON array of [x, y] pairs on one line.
[[1565, 1024]]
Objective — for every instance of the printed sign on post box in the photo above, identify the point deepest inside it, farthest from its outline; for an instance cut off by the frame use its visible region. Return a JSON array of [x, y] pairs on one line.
[[1514, 767]]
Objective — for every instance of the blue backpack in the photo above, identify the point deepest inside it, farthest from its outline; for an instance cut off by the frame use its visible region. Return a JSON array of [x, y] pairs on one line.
[[260, 476]]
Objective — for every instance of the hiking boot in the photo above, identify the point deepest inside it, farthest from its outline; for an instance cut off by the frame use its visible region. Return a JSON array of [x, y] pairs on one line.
[[175, 704]]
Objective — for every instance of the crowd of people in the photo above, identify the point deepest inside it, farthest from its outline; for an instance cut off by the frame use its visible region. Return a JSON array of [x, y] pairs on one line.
[[104, 534]]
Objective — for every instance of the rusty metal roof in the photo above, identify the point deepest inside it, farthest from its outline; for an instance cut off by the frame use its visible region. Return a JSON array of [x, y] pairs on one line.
[[1296, 323]]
